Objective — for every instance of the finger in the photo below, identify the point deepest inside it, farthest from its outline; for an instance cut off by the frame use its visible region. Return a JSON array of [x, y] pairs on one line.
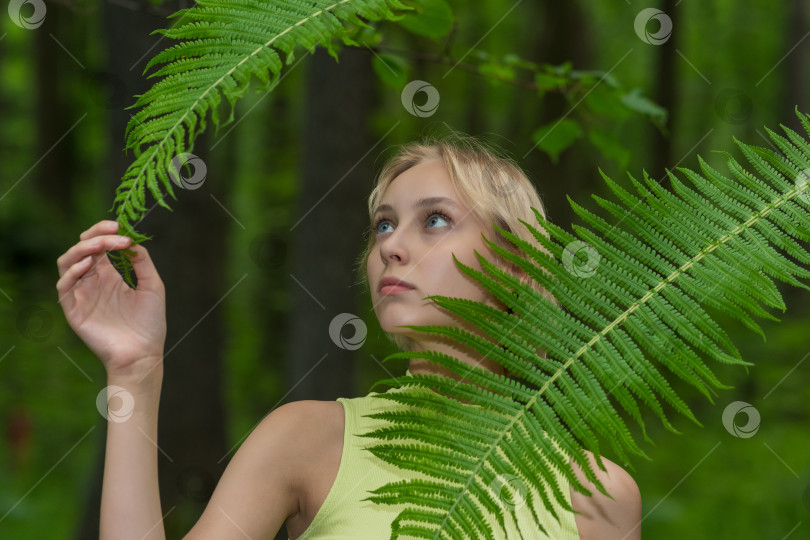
[[68, 281], [145, 269], [91, 246], [102, 227]]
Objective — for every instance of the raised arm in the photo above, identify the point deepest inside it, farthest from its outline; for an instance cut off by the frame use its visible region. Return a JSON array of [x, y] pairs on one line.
[[126, 329]]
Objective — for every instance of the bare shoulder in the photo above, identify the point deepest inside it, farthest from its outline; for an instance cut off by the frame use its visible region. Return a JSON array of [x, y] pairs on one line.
[[266, 483], [315, 423], [291, 426], [308, 429], [305, 418], [604, 517]]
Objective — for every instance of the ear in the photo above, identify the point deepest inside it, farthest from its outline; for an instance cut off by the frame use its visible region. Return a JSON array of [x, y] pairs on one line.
[[520, 274]]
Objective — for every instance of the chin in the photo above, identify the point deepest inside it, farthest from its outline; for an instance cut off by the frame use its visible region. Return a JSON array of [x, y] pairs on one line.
[[391, 317]]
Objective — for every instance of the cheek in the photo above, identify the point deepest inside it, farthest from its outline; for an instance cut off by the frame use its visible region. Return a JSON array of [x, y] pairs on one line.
[[372, 274], [466, 255], [461, 283], [445, 273], [373, 262]]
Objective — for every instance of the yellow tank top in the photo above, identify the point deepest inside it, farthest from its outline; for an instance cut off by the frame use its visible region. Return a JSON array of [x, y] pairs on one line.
[[343, 515]]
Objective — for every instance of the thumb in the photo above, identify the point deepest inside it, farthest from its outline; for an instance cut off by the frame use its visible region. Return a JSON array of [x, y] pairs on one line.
[[144, 268]]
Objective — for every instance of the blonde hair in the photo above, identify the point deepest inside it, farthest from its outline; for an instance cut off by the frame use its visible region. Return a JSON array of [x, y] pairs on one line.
[[488, 182]]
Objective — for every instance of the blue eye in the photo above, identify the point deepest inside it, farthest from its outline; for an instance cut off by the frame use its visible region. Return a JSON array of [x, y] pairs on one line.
[[428, 214], [440, 216]]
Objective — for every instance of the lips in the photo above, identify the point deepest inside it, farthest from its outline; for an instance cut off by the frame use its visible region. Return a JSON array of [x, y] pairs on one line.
[[396, 283]]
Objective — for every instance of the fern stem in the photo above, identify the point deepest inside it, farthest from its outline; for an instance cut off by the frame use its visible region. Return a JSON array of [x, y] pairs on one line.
[[756, 217], [193, 107], [669, 279]]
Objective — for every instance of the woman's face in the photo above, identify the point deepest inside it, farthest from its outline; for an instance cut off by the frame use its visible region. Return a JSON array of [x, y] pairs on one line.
[[415, 240]]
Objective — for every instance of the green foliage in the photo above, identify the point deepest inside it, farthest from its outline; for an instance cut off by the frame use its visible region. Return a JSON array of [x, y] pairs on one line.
[[604, 96], [216, 57], [639, 310], [635, 101], [609, 146], [633, 308], [392, 69], [223, 46], [555, 137], [606, 104], [431, 18]]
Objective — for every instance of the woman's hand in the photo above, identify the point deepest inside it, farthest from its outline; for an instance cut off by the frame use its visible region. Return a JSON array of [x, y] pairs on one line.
[[124, 327]]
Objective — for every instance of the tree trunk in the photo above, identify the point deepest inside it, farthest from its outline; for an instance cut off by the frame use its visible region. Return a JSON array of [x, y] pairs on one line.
[[55, 141], [336, 178], [796, 66], [665, 95], [189, 253], [563, 37]]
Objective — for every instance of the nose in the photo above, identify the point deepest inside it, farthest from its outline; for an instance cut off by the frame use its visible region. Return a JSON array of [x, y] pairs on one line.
[[393, 247]]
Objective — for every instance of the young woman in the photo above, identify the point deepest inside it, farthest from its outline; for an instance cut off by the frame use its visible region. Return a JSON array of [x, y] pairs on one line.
[[302, 466]]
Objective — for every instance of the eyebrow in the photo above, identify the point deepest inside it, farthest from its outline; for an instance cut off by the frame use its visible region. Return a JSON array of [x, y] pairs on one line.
[[421, 203]]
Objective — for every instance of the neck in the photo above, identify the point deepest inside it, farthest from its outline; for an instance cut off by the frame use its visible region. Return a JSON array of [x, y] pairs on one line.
[[464, 354]]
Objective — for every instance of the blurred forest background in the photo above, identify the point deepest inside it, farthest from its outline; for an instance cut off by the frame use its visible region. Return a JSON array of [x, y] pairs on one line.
[[261, 258]]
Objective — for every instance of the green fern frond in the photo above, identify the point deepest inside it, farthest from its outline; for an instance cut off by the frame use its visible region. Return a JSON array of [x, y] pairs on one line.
[[223, 45], [715, 242]]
